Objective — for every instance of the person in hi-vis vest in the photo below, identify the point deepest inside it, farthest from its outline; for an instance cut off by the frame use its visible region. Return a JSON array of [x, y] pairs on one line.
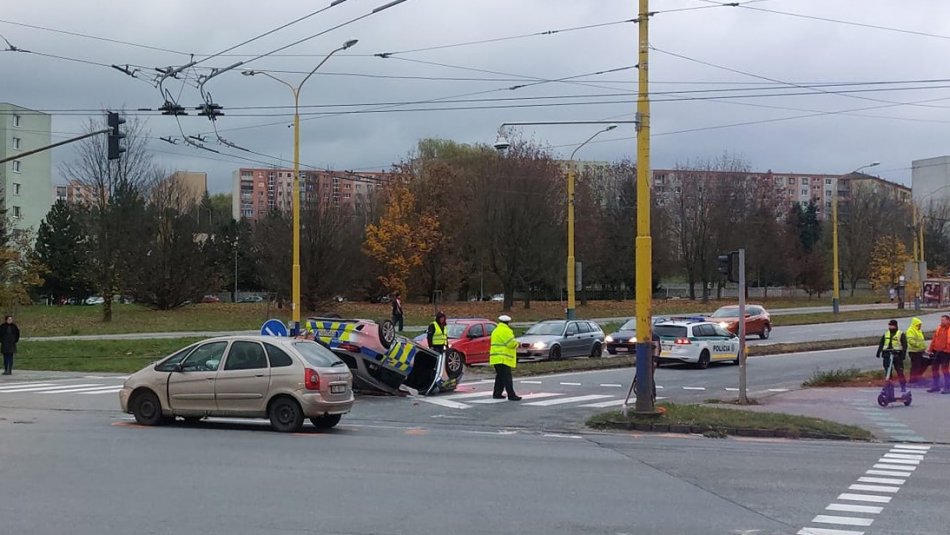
[[504, 358]]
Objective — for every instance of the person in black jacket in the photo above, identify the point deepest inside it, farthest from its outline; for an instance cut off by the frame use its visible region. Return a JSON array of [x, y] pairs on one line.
[[9, 336], [893, 347], [397, 311]]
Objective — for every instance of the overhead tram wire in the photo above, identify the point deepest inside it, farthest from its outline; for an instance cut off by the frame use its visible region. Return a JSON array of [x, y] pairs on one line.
[[846, 22], [97, 38]]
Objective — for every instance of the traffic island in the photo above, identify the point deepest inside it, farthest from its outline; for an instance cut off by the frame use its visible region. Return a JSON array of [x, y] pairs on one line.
[[717, 422]]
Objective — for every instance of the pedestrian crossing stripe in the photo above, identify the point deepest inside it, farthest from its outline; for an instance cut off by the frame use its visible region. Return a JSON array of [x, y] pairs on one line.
[[59, 388]]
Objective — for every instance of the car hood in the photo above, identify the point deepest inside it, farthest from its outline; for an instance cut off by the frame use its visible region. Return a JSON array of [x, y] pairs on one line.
[[622, 334], [532, 338]]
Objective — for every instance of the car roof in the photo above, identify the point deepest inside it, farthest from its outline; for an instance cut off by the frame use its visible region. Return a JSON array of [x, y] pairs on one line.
[[686, 321], [469, 320], [251, 338]]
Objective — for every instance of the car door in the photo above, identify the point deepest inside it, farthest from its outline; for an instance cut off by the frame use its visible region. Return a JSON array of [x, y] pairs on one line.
[[725, 345], [483, 344], [585, 337], [572, 344], [191, 385], [241, 386], [755, 322], [474, 345]]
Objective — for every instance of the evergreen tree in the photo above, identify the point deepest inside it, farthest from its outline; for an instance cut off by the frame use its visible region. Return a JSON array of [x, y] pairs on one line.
[[62, 245]]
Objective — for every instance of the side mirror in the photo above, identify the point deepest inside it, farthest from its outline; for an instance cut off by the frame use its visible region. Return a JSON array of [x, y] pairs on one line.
[[179, 368]]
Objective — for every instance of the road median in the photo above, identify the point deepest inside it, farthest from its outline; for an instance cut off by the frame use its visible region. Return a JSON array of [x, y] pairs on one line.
[[717, 422]]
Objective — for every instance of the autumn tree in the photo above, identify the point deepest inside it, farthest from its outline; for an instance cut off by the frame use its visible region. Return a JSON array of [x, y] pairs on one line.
[[887, 262], [401, 238], [865, 214], [21, 270]]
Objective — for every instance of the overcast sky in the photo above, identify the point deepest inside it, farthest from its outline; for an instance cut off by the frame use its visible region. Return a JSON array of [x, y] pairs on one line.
[[893, 123]]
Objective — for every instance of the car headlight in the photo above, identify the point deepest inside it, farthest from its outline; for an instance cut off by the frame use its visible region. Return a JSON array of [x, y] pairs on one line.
[[724, 324], [539, 345], [632, 340], [609, 338]]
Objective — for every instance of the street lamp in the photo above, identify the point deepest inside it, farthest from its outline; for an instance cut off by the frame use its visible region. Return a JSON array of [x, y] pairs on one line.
[[836, 283], [502, 144], [295, 273]]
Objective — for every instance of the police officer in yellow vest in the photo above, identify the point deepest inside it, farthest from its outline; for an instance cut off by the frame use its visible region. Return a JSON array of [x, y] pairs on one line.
[[435, 334], [503, 358], [916, 346], [893, 346]]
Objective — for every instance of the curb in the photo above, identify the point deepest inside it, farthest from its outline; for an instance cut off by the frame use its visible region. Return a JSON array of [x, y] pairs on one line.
[[720, 432]]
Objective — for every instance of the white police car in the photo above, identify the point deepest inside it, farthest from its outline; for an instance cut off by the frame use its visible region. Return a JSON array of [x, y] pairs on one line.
[[695, 341]]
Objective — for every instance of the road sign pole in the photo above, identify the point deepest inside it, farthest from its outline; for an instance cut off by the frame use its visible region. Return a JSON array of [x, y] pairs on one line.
[[743, 398]]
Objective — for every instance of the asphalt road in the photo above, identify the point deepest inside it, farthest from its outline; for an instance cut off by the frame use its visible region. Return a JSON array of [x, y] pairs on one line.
[[94, 473]]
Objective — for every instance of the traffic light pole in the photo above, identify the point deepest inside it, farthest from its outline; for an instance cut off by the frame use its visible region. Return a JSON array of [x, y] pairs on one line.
[[743, 397], [54, 145]]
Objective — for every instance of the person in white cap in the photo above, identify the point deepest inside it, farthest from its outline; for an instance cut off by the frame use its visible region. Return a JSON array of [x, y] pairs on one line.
[[503, 358]]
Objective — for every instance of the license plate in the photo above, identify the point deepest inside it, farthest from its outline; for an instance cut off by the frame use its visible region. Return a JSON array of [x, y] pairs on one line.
[[667, 347], [337, 389]]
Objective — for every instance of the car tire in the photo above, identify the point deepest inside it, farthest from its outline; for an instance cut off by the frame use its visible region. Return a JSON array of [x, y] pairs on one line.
[[147, 409], [703, 361], [611, 350], [285, 415], [597, 351], [764, 335], [555, 353], [326, 422], [387, 333], [454, 363]]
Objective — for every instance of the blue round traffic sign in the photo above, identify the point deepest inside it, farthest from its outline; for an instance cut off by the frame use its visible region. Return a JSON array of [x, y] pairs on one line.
[[274, 328]]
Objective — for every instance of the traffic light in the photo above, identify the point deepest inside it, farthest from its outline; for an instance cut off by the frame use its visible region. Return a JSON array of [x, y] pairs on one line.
[[725, 266], [115, 136]]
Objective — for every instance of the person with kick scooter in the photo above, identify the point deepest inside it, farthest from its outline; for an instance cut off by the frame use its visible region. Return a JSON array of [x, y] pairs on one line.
[[893, 348]]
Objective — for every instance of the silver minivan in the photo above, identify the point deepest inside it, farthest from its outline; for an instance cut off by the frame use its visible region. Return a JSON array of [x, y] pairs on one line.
[[283, 379]]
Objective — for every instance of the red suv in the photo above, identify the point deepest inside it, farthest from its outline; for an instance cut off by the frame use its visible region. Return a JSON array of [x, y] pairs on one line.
[[469, 339]]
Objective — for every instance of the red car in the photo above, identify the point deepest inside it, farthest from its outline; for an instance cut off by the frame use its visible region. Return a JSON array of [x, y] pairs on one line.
[[469, 339], [757, 320]]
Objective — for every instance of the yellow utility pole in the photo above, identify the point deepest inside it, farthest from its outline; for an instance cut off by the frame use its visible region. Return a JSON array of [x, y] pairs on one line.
[[836, 283], [644, 244]]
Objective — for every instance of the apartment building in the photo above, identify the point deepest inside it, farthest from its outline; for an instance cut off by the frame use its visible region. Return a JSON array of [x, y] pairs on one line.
[[27, 181]]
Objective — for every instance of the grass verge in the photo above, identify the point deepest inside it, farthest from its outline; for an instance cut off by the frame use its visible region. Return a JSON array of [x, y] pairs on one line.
[[717, 422], [854, 315], [845, 377], [116, 356]]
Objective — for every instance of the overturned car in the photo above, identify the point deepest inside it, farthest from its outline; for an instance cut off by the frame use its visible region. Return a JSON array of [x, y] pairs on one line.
[[384, 361]]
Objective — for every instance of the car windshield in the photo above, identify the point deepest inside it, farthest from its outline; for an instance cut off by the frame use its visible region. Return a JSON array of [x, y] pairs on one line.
[[546, 327], [726, 312], [670, 331], [454, 330], [630, 325], [317, 355]]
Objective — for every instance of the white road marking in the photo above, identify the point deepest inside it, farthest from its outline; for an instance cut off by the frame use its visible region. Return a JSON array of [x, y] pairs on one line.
[[694, 388], [888, 473], [874, 488], [903, 456], [561, 401], [895, 467], [445, 403], [882, 480], [843, 520], [864, 498], [848, 508], [114, 390], [612, 403], [900, 461], [778, 390], [482, 382], [24, 385], [614, 385], [557, 435], [730, 389], [530, 382], [38, 388], [659, 386], [71, 390], [822, 531], [537, 395], [468, 395], [913, 447], [570, 384]]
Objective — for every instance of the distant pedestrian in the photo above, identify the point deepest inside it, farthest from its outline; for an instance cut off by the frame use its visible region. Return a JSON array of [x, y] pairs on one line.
[[916, 345], [397, 311], [435, 334], [893, 347], [940, 349], [9, 336], [504, 358], [892, 293]]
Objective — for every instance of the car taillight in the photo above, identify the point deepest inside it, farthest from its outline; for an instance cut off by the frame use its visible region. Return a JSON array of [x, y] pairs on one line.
[[349, 346], [682, 341], [311, 379]]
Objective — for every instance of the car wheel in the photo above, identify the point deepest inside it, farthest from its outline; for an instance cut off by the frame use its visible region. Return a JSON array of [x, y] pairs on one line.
[[387, 333], [596, 351], [765, 332], [611, 350], [326, 422], [703, 362], [285, 415], [555, 353], [147, 409], [454, 363]]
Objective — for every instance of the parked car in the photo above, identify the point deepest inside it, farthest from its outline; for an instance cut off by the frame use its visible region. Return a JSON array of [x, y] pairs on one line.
[[210, 299], [557, 339], [498, 298], [250, 299], [283, 379], [625, 338], [757, 320], [696, 341], [382, 360], [94, 300], [469, 340]]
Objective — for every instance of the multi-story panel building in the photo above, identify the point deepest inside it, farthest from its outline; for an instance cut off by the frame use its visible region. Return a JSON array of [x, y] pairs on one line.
[[26, 182], [74, 192], [194, 184], [258, 191]]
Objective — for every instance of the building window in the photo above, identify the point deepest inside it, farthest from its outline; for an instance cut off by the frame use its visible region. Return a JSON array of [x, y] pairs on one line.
[[346, 195], [804, 191], [16, 143], [16, 188], [17, 213], [827, 181], [804, 180], [791, 180], [828, 192], [16, 166], [16, 120]]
